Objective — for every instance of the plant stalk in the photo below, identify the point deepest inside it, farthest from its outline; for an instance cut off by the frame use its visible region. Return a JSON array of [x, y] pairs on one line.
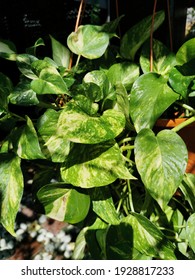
[[184, 124]]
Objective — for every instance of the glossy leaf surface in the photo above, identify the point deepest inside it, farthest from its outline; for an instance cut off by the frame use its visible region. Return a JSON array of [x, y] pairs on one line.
[[161, 161], [61, 55], [186, 52]]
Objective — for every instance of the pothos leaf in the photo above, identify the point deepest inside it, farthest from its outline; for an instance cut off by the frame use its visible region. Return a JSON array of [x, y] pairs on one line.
[[161, 161], [96, 165], [64, 203], [11, 190]]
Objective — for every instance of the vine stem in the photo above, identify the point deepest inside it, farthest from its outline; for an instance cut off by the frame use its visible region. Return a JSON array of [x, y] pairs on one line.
[[130, 196], [151, 36], [184, 124]]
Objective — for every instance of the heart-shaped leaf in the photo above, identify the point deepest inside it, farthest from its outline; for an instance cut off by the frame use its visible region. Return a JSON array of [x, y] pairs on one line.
[[97, 165], [150, 97], [161, 161], [63, 203], [89, 41]]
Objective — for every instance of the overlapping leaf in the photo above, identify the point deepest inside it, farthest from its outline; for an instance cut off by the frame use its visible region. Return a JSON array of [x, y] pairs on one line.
[[150, 97], [64, 203], [96, 165], [161, 161]]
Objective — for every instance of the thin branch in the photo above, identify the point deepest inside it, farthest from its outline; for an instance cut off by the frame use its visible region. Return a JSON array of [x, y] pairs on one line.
[[170, 25], [151, 36]]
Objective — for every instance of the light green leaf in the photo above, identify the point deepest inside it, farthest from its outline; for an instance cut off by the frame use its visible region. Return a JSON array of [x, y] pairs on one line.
[[54, 146], [32, 50], [123, 73], [161, 161], [61, 55], [63, 203], [150, 97], [89, 41], [77, 126], [163, 58], [11, 190], [25, 142], [188, 189], [96, 165], [138, 34], [186, 52], [190, 232], [103, 205], [49, 82]]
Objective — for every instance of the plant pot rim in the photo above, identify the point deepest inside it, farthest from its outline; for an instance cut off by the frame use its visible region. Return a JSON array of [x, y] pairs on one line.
[[172, 122]]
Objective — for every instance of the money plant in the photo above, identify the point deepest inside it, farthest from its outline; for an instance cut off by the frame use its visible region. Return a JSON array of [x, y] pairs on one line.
[[84, 120]]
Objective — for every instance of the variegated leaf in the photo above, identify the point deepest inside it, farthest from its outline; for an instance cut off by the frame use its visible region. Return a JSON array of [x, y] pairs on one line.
[[64, 203], [11, 190], [161, 161], [96, 165], [77, 126]]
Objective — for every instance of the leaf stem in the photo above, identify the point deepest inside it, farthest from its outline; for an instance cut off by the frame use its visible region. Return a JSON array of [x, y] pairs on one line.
[[130, 196]]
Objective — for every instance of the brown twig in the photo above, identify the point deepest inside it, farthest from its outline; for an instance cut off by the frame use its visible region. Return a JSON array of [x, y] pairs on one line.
[[117, 15], [78, 22], [151, 36], [170, 25]]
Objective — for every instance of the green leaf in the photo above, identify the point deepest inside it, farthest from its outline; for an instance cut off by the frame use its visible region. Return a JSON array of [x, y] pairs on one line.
[[150, 97], [77, 126], [23, 95], [190, 232], [25, 142], [179, 82], [32, 50], [99, 78], [54, 146], [89, 41], [161, 161], [123, 73], [148, 239], [11, 190], [61, 55], [186, 52], [63, 203], [188, 189], [24, 62], [163, 58], [5, 89], [138, 34], [103, 205], [96, 165], [8, 50], [49, 82]]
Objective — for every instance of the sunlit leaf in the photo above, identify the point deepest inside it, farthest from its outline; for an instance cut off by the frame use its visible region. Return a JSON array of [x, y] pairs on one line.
[[96, 165], [161, 161], [88, 41], [61, 55]]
